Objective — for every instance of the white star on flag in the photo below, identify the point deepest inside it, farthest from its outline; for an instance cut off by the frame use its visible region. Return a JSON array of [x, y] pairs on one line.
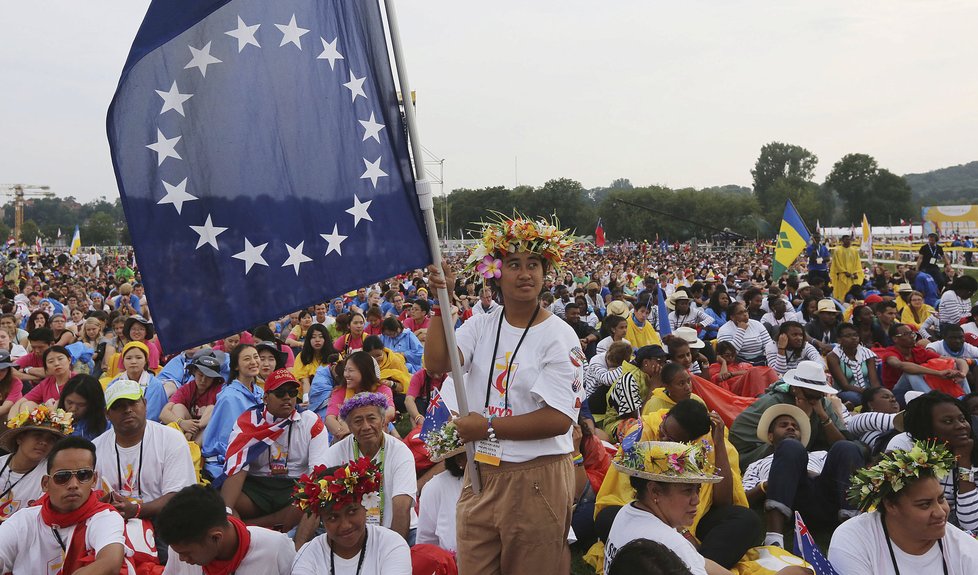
[[291, 33], [359, 210], [173, 100], [334, 239], [371, 128], [330, 52], [373, 171], [176, 195], [164, 147], [251, 255], [201, 59], [296, 257], [355, 85], [245, 34], [208, 234]]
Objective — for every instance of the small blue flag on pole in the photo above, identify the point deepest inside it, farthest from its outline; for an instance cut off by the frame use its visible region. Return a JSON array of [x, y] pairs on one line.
[[437, 415], [261, 160], [809, 551]]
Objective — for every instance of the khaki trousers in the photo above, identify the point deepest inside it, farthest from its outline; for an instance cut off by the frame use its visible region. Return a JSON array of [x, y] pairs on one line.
[[518, 524]]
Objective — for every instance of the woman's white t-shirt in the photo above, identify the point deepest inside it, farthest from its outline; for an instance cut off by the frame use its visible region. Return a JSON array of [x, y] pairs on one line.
[[436, 510], [632, 523], [387, 554], [859, 547], [19, 490], [548, 370]]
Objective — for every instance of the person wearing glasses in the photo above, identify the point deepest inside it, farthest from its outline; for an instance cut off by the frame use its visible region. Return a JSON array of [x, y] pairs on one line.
[[141, 463], [805, 387], [271, 445], [904, 365], [70, 527]]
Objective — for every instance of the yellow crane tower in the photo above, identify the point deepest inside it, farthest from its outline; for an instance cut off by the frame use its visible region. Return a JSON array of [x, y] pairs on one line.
[[18, 192]]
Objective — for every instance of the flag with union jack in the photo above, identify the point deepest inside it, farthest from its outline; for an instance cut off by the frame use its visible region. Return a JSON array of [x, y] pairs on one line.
[[437, 415], [809, 551], [254, 432]]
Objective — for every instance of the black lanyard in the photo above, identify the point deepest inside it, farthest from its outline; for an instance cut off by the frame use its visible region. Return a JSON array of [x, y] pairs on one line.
[[512, 358], [139, 474], [5, 466], [889, 545], [363, 553], [61, 542]]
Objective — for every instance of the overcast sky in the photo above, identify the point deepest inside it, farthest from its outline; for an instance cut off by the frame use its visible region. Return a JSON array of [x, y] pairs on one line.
[[671, 93]]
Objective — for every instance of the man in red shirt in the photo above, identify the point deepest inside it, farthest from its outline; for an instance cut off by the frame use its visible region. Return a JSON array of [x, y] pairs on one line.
[[903, 364], [30, 367]]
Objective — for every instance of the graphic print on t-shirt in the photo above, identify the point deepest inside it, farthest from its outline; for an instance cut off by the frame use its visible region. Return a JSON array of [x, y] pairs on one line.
[[128, 486], [499, 382]]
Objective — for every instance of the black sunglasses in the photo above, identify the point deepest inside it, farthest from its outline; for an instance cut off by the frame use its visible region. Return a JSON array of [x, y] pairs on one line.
[[83, 475], [282, 393]]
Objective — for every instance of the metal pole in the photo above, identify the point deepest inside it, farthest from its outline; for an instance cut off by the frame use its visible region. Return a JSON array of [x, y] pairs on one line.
[[427, 207]]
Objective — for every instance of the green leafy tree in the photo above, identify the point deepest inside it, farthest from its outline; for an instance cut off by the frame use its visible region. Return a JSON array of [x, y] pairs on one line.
[[853, 178], [29, 232], [100, 230], [890, 198], [781, 162]]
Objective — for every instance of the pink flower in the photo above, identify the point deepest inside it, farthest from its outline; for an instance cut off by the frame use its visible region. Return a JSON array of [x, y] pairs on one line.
[[490, 267]]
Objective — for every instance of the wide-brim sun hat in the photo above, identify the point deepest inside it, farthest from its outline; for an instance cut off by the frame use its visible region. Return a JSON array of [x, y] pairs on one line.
[[809, 375], [618, 308], [5, 359], [904, 288], [676, 296], [133, 320], [666, 462], [826, 305], [41, 418], [688, 335], [776, 411]]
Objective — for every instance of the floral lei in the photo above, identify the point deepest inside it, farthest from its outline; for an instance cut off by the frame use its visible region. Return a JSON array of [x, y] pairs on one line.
[[897, 469], [503, 235], [347, 485], [42, 416]]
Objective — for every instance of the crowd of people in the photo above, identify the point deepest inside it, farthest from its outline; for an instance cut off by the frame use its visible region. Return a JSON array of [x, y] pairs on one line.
[[662, 409]]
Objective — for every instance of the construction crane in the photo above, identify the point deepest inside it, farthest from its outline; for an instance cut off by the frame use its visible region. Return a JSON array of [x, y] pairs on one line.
[[19, 192]]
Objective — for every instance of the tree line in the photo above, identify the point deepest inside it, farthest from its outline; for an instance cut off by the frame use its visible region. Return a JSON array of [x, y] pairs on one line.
[[100, 222], [856, 185]]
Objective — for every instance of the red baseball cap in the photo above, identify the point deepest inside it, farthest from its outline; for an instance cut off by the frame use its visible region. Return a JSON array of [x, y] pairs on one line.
[[278, 378], [872, 298]]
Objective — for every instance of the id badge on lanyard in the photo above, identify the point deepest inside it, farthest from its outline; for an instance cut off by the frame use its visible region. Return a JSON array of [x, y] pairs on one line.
[[486, 451]]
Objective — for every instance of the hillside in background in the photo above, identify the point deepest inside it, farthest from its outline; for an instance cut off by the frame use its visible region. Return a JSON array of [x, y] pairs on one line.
[[946, 186]]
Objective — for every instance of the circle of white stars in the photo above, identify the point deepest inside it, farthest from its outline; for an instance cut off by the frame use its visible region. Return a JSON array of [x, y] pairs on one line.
[[176, 194]]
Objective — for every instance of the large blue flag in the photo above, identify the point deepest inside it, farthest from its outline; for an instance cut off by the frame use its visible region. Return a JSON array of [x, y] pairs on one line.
[[262, 161]]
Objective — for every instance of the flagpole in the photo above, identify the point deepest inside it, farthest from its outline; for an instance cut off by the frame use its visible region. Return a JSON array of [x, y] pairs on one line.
[[423, 188]]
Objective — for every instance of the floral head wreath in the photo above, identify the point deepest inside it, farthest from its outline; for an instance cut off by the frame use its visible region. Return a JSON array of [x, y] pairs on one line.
[[42, 416], [667, 461], [898, 469], [443, 442], [503, 235], [363, 399], [319, 490]]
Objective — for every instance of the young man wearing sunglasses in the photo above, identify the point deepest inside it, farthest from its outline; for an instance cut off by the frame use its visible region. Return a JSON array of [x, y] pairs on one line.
[[261, 474], [70, 527]]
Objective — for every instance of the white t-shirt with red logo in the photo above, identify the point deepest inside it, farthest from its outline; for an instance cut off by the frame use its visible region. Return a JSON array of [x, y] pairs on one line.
[[548, 370], [28, 545], [158, 465]]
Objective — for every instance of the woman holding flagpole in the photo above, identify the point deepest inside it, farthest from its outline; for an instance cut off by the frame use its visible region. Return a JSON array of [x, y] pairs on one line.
[[524, 373]]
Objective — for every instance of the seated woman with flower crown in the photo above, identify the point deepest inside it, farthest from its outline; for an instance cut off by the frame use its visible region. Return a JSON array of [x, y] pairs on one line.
[[666, 477], [906, 529]]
